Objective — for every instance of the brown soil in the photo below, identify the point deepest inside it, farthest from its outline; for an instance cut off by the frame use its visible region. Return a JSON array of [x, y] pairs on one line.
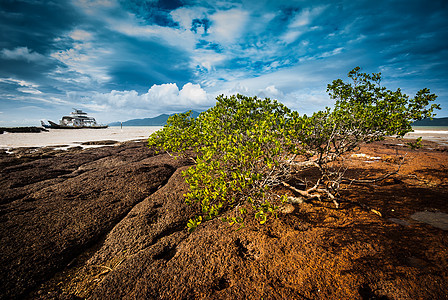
[[110, 223]]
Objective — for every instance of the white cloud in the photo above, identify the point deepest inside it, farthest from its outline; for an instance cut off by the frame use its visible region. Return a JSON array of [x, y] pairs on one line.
[[22, 53], [170, 95], [120, 99], [159, 99], [193, 93], [301, 19], [227, 26], [185, 15], [162, 94], [306, 16], [84, 59], [291, 36], [29, 91], [25, 86], [207, 59], [271, 92], [18, 82], [267, 92], [331, 53], [130, 25], [114, 18], [307, 101], [325, 54], [300, 24], [80, 35]]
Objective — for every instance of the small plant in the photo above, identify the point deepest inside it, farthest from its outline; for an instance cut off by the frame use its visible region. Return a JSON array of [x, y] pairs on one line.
[[193, 223], [416, 145], [245, 146]]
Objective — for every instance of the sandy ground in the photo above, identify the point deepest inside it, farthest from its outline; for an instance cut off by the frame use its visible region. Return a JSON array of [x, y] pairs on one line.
[[440, 136], [74, 137]]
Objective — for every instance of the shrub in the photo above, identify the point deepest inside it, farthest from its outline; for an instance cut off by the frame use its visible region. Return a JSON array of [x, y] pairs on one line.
[[245, 146]]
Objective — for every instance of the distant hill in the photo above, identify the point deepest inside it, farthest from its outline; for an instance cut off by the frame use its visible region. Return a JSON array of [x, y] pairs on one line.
[[161, 121], [433, 122], [156, 121]]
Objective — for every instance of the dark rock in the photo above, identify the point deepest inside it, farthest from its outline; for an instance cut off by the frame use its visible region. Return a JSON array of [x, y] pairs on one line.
[[22, 129], [107, 142], [53, 208], [110, 223]]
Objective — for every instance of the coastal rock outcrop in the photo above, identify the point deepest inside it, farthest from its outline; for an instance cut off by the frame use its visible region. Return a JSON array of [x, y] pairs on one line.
[[53, 208], [110, 223], [22, 129]]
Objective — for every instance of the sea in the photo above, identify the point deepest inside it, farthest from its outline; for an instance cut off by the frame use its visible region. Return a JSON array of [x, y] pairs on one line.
[[64, 138]]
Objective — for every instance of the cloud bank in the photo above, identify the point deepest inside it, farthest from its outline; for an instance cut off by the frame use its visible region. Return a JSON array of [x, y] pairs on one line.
[[156, 99]]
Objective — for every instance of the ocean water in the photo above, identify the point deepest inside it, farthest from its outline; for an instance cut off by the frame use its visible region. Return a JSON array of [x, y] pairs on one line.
[[74, 137]]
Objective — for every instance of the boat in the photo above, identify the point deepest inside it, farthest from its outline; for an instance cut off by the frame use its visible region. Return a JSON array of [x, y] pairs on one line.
[[76, 120]]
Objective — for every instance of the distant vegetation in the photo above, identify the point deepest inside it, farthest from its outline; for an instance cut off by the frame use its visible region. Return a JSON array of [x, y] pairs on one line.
[[244, 147], [160, 120]]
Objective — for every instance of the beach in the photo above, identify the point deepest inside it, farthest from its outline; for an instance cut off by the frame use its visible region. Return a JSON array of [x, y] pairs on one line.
[[65, 138], [429, 133], [110, 223]]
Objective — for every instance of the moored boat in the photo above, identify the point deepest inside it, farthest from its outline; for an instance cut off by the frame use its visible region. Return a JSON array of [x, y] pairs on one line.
[[76, 120]]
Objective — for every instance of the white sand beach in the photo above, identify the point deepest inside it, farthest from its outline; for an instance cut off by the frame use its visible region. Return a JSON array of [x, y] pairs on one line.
[[428, 133], [74, 137]]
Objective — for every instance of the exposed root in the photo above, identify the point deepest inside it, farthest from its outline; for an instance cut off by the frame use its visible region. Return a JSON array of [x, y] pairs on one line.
[[313, 193]]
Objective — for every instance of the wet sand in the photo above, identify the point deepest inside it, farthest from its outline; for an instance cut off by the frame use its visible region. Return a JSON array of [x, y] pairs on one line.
[[429, 134], [73, 138]]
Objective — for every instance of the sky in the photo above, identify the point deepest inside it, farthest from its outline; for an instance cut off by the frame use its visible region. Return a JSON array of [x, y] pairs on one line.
[[120, 60]]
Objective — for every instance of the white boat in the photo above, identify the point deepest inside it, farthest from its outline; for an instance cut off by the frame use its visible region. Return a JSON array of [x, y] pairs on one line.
[[76, 120]]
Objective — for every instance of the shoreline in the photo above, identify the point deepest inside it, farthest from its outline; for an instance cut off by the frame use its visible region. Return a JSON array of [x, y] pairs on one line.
[[74, 138], [437, 136], [88, 138]]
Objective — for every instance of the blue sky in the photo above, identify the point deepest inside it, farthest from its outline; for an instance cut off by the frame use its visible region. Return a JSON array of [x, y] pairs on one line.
[[120, 60]]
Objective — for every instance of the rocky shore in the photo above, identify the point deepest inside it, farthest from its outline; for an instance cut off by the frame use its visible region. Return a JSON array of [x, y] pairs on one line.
[[21, 129], [110, 223]]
